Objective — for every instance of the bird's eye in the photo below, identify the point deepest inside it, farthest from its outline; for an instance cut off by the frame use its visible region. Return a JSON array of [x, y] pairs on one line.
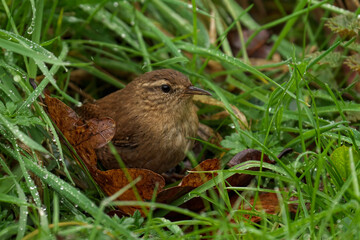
[[165, 88]]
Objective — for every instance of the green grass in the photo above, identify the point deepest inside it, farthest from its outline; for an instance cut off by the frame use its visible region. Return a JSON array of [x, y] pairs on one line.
[[304, 101]]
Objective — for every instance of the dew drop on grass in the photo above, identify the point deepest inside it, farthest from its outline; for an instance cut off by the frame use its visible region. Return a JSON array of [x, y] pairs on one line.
[[17, 78], [123, 35], [116, 4], [30, 29]]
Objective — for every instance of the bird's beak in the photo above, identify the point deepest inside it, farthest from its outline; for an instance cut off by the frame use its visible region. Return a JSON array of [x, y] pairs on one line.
[[196, 91]]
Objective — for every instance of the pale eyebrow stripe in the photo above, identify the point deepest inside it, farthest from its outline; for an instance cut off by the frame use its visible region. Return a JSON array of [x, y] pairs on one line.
[[156, 83]]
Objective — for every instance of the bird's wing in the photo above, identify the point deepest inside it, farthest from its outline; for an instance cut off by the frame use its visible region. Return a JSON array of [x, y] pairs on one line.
[[125, 143], [125, 137]]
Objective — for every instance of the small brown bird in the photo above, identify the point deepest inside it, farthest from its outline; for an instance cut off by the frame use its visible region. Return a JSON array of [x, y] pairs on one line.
[[155, 117]]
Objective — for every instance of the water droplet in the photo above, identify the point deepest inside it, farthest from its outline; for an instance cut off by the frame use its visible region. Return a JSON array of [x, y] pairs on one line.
[[116, 4], [123, 35], [17, 78], [30, 29]]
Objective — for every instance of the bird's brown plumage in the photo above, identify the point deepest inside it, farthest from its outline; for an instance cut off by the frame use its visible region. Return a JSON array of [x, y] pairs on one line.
[[153, 126]]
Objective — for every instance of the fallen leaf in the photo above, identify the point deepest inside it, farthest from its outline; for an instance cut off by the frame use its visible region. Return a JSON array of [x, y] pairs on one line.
[[258, 46], [265, 202], [212, 101], [206, 133], [247, 155], [268, 203], [171, 194], [194, 179]]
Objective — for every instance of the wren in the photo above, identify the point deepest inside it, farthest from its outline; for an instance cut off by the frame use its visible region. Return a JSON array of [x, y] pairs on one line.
[[155, 120]]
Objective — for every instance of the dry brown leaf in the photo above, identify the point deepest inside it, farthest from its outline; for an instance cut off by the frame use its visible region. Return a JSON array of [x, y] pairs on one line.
[[247, 155], [242, 157], [171, 194], [212, 101], [194, 179], [206, 133], [257, 47], [266, 202]]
